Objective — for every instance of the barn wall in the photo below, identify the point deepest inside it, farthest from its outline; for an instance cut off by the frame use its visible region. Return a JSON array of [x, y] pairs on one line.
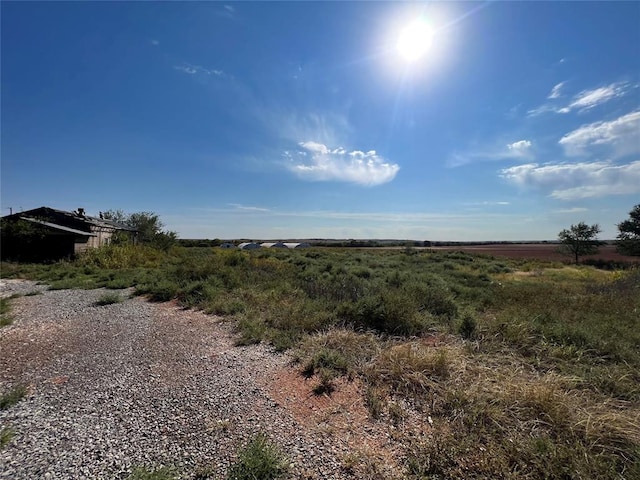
[[103, 237]]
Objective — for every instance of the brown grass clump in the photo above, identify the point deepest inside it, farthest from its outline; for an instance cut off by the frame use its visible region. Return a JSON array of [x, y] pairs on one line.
[[413, 367], [509, 422]]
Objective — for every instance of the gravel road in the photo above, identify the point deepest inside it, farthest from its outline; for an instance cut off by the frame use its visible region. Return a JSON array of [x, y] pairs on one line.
[[136, 384]]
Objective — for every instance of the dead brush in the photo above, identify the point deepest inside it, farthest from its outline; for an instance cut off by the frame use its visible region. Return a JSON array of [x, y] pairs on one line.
[[343, 351], [413, 367]]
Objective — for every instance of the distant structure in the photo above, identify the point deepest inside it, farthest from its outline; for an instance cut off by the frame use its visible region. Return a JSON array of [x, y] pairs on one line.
[[48, 234], [297, 245], [227, 245], [248, 246], [273, 245]]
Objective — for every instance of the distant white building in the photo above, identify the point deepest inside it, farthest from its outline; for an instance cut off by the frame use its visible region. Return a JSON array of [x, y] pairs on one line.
[[227, 245], [248, 246], [297, 245], [273, 245]]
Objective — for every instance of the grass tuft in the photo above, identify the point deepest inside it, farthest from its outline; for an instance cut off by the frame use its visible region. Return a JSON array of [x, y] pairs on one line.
[[259, 459], [6, 434], [12, 397], [143, 473], [5, 312], [109, 299]]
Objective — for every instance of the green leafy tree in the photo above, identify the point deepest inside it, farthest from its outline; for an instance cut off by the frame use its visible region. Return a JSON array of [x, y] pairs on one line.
[[147, 224], [629, 236], [580, 239]]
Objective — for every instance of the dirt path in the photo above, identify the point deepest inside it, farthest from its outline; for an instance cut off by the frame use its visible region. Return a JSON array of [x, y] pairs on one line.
[[135, 384]]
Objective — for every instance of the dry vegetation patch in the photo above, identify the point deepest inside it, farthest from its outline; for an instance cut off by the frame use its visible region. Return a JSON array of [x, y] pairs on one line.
[[427, 364]]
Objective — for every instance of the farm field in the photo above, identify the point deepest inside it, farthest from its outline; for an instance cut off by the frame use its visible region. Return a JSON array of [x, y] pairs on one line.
[[473, 366], [541, 251]]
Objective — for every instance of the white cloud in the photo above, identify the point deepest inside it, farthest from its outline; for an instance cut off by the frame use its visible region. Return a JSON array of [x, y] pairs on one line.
[[486, 203], [244, 208], [196, 69], [574, 181], [154, 42], [516, 150], [622, 135], [583, 101], [520, 148], [555, 91], [572, 210], [588, 99], [320, 163], [229, 8]]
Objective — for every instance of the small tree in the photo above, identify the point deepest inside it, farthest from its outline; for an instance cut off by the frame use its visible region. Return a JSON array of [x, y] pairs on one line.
[[148, 226], [629, 236], [580, 240]]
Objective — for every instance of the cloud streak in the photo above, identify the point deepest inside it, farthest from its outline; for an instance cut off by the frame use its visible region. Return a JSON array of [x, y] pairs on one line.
[[587, 99], [197, 69], [521, 149], [317, 162], [555, 91], [245, 208], [583, 101], [574, 181]]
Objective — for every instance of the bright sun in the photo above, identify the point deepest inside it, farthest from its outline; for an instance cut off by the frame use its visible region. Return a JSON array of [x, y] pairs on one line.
[[414, 40]]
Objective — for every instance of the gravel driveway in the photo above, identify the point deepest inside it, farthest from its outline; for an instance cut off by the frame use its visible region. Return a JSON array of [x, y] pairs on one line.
[[137, 384]]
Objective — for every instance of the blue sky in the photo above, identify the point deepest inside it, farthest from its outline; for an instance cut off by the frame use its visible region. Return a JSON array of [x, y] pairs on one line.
[[496, 121]]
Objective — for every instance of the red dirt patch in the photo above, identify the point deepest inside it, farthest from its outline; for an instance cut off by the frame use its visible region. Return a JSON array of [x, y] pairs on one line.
[[342, 416]]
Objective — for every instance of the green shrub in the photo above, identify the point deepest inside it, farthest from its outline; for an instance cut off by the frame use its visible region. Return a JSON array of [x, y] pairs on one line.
[[252, 330], [5, 309], [391, 312], [12, 397], [467, 327], [259, 459], [142, 473], [327, 359], [6, 434], [109, 299]]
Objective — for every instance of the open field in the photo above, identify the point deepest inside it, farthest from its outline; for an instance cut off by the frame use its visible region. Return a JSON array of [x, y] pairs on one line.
[[541, 251], [472, 366]]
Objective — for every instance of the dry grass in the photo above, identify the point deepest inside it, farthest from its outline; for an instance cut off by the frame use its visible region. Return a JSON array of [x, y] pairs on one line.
[[478, 369]]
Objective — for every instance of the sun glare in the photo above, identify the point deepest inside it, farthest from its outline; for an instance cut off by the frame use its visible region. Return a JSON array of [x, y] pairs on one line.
[[414, 40]]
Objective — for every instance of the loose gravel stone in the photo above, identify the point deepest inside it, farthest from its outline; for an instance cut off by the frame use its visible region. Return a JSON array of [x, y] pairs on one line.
[[136, 384]]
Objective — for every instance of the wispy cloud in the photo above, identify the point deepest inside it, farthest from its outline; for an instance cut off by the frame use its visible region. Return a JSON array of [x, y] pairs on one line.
[[245, 208], [571, 210], [197, 69], [521, 149], [486, 203], [621, 135], [328, 128], [226, 10], [154, 42], [583, 101], [588, 99], [572, 181], [555, 91], [318, 162]]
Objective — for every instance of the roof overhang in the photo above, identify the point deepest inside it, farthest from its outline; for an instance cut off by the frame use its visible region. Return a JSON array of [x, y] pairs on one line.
[[61, 228]]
